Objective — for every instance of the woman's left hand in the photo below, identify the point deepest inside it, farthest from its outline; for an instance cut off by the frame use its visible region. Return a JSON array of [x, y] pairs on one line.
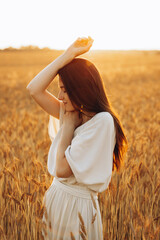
[[72, 118], [80, 46]]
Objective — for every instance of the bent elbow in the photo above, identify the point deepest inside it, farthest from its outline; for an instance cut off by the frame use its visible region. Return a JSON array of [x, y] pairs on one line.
[[63, 170], [30, 90]]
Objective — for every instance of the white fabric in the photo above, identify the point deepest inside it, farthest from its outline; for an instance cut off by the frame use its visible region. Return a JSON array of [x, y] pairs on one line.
[[62, 206], [54, 123], [53, 127], [90, 157], [90, 154]]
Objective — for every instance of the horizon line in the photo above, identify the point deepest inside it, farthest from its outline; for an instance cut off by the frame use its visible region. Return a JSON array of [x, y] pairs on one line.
[[35, 47]]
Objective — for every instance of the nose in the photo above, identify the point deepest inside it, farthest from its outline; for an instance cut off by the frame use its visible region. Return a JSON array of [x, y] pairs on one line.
[[60, 95]]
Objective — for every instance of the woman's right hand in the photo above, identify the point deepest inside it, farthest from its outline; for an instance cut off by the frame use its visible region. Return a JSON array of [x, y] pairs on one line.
[[72, 118], [80, 46]]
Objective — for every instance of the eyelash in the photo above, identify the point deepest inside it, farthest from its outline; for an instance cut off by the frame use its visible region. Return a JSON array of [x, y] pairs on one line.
[[64, 91]]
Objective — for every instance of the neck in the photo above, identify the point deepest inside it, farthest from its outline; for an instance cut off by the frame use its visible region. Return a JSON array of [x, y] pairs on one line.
[[87, 116]]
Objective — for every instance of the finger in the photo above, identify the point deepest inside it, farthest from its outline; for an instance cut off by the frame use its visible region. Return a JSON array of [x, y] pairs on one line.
[[90, 38], [86, 43], [90, 43], [88, 46]]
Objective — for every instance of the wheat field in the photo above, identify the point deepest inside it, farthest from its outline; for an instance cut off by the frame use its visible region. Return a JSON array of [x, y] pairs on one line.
[[130, 207]]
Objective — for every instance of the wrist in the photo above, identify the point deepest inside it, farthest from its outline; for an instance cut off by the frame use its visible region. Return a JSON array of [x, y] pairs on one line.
[[69, 127], [68, 55], [64, 59]]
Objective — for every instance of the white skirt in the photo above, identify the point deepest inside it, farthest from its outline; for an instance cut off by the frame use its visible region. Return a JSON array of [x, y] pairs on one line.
[[71, 211]]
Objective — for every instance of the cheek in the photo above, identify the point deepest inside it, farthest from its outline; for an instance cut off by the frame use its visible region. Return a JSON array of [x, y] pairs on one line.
[[67, 98], [68, 101]]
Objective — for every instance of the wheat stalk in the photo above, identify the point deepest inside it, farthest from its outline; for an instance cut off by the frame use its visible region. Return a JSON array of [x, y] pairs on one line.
[[72, 236], [82, 224], [94, 217], [82, 235], [94, 203]]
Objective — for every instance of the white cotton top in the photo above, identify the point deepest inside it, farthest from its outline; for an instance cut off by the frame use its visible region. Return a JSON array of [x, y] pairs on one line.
[[90, 154]]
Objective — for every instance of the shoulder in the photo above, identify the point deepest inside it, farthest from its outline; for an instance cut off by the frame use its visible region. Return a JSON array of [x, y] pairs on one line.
[[101, 122], [104, 126], [98, 127], [104, 118]]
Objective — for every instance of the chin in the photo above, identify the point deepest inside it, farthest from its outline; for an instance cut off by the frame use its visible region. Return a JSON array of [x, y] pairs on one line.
[[69, 108]]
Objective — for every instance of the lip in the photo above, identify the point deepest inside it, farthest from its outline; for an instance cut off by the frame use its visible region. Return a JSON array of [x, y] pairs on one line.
[[64, 102]]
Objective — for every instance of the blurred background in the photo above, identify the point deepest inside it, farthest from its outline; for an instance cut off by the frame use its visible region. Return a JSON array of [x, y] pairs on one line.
[[126, 52], [114, 25]]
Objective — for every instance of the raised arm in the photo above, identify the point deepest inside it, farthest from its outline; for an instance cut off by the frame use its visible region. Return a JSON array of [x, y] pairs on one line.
[[38, 85], [42, 80]]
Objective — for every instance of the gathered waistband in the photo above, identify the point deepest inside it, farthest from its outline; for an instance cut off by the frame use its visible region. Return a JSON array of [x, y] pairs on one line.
[[75, 190]]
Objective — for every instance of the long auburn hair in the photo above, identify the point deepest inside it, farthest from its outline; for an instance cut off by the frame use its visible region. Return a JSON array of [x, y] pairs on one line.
[[84, 85]]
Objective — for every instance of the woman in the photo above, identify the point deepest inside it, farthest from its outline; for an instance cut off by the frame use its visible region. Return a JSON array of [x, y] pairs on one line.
[[88, 146]]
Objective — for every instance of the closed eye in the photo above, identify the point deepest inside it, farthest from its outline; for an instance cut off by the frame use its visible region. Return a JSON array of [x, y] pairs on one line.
[[62, 88]]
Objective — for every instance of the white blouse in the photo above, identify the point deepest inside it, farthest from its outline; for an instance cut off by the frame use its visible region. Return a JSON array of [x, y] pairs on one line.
[[90, 154]]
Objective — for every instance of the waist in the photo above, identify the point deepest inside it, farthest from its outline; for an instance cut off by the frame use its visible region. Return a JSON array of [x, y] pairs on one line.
[[75, 190]]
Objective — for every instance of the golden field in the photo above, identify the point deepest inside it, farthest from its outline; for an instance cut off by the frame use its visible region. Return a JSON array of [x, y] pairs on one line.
[[130, 207]]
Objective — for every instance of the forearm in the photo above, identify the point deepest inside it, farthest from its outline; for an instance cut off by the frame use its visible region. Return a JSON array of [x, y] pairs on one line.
[[65, 140], [42, 80]]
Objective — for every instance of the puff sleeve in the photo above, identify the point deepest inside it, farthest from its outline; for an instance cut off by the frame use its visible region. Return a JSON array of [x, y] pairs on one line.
[[55, 124], [90, 154]]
